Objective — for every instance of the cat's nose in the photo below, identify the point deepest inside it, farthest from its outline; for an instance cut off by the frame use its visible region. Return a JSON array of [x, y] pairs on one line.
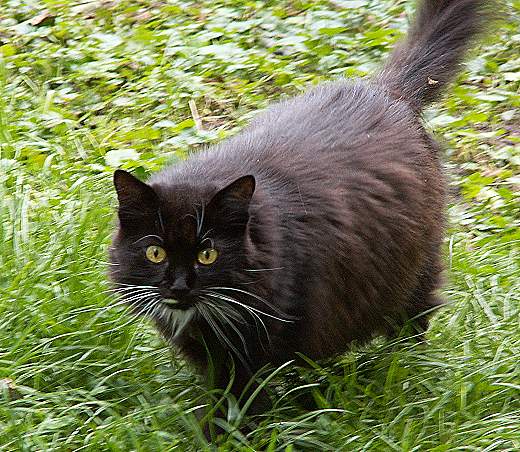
[[179, 293], [178, 290]]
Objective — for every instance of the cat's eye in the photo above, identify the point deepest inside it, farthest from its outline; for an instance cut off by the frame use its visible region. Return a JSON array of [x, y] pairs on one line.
[[207, 256], [155, 254]]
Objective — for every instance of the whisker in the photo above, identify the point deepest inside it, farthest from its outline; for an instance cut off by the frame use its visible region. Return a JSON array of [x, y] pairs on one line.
[[147, 237], [263, 269], [99, 261], [230, 311], [259, 311], [251, 312], [125, 290], [209, 231], [140, 296], [200, 218], [147, 311], [233, 327], [259, 298], [161, 222], [143, 307], [135, 285], [91, 308], [250, 283], [220, 334], [130, 299]]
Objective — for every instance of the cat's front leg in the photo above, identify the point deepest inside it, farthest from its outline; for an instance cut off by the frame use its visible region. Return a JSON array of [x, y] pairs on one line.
[[239, 387]]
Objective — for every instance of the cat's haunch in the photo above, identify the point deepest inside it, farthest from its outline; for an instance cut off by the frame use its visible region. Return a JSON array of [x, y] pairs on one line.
[[319, 224]]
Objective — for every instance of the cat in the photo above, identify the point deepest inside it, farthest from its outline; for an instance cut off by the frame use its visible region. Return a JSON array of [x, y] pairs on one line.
[[318, 225]]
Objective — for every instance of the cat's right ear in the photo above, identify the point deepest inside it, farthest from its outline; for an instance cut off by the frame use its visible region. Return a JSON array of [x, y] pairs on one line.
[[136, 199]]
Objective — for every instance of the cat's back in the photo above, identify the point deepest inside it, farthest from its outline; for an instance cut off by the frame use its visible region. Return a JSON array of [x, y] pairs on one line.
[[342, 145], [332, 127]]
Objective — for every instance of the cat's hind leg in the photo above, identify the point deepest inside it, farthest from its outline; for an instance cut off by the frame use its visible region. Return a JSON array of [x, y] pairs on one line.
[[425, 299], [420, 314]]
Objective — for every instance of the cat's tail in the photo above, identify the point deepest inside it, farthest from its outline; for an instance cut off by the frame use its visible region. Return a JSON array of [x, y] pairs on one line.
[[421, 66]]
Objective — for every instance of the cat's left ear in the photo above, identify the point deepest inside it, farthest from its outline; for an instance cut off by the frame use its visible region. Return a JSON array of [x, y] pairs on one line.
[[135, 198], [232, 202]]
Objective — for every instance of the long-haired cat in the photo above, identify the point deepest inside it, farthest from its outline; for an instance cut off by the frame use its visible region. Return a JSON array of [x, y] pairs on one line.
[[319, 224]]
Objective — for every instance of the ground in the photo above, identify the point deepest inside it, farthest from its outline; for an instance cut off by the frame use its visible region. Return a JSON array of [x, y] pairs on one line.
[[90, 86]]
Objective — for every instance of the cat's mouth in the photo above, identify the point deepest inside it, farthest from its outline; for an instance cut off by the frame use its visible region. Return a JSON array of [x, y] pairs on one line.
[[178, 304]]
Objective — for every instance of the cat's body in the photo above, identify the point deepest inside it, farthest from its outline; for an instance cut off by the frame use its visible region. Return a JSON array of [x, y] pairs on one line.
[[326, 213], [362, 223]]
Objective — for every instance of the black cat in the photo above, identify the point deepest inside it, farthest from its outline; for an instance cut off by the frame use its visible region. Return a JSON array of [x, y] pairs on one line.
[[321, 223]]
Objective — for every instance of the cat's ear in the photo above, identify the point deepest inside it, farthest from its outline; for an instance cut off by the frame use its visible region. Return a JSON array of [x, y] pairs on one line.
[[136, 198], [231, 204]]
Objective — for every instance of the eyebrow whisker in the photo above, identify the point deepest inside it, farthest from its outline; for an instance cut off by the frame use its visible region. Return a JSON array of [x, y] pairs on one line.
[[149, 236], [205, 236]]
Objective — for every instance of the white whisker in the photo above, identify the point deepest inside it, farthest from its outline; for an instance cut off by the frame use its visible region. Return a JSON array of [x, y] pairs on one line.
[[148, 237], [259, 311], [137, 286], [146, 312], [220, 334], [250, 311], [263, 269], [228, 321], [259, 298]]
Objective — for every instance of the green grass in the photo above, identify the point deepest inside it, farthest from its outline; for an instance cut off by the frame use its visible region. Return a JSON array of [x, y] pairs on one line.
[[104, 84]]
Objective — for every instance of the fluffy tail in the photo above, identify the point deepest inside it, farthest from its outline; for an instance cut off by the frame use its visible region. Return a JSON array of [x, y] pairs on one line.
[[421, 66]]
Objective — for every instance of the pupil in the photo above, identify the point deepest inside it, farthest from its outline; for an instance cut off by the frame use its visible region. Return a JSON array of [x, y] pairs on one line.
[[156, 252]]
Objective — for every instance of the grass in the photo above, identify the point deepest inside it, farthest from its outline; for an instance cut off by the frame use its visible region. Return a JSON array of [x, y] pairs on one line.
[[87, 87]]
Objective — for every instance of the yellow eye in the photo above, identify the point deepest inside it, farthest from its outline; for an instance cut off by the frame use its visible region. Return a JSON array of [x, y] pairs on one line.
[[207, 256], [155, 254]]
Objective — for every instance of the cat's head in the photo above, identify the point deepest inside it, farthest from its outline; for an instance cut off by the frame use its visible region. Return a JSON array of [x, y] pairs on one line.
[[177, 244]]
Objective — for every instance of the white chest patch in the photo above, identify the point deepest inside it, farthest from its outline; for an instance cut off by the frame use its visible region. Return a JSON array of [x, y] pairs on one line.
[[178, 319]]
